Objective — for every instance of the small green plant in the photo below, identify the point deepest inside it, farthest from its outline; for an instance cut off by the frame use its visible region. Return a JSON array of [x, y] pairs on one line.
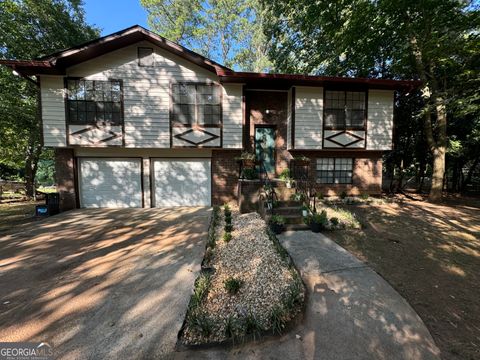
[[252, 326], [285, 175], [320, 196], [278, 319], [232, 285], [320, 218], [293, 296], [343, 194], [334, 221], [228, 228], [227, 237], [277, 219], [232, 327], [202, 285], [228, 220], [201, 322], [226, 208], [364, 196], [297, 197]]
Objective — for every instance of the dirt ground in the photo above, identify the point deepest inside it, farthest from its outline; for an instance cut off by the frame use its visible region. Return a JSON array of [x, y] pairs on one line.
[[431, 255], [15, 214]]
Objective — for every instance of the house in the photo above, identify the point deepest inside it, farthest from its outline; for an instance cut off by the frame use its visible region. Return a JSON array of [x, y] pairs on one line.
[[138, 121]]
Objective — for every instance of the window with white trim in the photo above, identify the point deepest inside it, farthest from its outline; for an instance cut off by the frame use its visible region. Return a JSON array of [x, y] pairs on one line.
[[196, 104], [345, 110], [334, 170]]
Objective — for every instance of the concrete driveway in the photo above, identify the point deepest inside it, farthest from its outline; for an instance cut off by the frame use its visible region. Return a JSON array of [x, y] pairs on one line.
[[102, 283]]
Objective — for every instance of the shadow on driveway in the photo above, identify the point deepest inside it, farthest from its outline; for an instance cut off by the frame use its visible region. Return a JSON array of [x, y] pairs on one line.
[[101, 283]]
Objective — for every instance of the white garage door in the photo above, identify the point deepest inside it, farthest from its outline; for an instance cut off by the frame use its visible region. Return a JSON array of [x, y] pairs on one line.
[[110, 183], [181, 182]]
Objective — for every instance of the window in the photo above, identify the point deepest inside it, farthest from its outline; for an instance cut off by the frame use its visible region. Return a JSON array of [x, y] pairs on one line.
[[345, 110], [145, 57], [334, 170], [196, 104], [94, 101]]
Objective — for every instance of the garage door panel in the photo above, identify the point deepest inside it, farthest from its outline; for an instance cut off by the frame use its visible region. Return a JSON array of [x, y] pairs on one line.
[[182, 182], [110, 183]]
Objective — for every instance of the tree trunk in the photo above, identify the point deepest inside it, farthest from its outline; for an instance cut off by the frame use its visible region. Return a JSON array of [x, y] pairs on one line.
[[437, 175]]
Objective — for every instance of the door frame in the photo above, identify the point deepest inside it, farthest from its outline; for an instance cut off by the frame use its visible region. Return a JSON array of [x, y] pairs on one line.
[[275, 132]]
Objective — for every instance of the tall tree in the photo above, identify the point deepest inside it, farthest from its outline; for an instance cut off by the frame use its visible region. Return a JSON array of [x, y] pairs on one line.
[[227, 31], [385, 38], [30, 29]]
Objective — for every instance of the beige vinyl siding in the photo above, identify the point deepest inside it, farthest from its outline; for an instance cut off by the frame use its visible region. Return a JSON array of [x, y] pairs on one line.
[[308, 117], [53, 111], [232, 113], [146, 89], [380, 119]]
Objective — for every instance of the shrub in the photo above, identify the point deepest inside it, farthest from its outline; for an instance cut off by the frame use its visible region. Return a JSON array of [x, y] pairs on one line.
[[232, 285], [227, 237], [228, 220], [228, 228], [226, 207], [334, 221], [277, 219], [320, 196], [364, 196], [343, 194]]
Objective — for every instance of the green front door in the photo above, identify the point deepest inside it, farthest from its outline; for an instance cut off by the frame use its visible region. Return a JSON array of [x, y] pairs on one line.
[[265, 147]]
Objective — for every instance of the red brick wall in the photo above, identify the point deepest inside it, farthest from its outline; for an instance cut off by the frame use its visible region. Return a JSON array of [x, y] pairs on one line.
[[224, 176], [65, 178], [367, 172], [269, 108]]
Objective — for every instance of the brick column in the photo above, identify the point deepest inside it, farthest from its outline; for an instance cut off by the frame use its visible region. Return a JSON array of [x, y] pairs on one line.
[[65, 178], [225, 176]]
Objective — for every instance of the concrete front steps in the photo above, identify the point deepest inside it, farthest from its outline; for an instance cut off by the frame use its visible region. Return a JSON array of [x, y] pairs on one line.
[[292, 212]]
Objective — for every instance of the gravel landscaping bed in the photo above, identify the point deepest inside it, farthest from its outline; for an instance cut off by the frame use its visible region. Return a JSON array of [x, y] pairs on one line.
[[253, 287]]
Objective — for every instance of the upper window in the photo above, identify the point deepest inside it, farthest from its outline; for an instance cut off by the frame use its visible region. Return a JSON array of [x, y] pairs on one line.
[[145, 56], [334, 170], [345, 110], [94, 101], [196, 104]]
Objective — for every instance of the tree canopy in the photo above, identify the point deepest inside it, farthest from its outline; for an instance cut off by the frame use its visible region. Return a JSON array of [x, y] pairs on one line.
[[30, 29], [227, 31], [431, 40]]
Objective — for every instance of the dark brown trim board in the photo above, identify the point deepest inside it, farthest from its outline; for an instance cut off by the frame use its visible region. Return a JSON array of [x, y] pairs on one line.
[[292, 132]]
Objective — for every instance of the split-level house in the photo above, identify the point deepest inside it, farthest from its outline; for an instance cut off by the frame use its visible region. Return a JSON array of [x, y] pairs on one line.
[[138, 121]]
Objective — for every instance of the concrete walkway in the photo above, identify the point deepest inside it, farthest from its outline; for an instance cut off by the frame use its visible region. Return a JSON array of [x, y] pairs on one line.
[[352, 313]]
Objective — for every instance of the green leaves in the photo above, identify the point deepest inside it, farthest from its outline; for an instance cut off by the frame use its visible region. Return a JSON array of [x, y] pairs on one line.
[[227, 31]]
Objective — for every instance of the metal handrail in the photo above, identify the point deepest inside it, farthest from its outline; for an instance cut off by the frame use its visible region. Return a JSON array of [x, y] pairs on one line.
[[265, 181]]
